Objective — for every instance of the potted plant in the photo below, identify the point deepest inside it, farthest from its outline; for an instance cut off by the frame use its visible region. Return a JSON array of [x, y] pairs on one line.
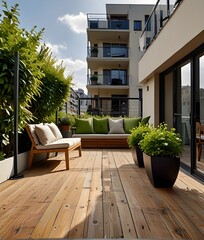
[[137, 134], [94, 52], [161, 148], [94, 79], [65, 123]]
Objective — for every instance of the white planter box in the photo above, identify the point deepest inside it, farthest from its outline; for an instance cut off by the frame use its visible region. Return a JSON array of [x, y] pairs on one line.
[[7, 166]]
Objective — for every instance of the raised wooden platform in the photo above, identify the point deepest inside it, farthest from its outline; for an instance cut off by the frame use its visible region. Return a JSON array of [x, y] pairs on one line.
[[103, 195], [104, 143]]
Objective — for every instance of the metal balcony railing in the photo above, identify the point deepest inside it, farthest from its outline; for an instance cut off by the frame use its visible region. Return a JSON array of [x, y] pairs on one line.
[[101, 79], [161, 12], [113, 106], [118, 51], [103, 21]]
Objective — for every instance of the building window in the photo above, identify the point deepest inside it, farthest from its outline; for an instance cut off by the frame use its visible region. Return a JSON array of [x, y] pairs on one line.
[[148, 24], [137, 25]]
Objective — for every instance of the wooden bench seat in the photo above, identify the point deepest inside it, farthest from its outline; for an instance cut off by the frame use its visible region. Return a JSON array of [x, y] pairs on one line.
[[103, 140], [59, 145]]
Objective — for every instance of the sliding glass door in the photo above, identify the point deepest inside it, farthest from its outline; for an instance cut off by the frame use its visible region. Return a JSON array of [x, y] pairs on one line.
[[199, 100], [182, 107]]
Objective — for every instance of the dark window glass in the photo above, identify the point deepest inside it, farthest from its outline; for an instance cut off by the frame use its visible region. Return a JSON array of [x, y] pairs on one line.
[[149, 23], [137, 25]]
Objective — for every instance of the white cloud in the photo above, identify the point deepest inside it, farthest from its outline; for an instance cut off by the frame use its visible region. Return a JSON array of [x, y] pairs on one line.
[[78, 69], [55, 48], [76, 23], [75, 67]]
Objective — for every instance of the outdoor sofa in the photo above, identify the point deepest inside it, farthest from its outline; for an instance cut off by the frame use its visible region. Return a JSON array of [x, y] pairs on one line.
[[105, 132], [47, 138]]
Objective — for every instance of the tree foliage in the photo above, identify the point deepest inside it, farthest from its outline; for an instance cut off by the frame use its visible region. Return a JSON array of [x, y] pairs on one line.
[[54, 89], [42, 85], [13, 39]]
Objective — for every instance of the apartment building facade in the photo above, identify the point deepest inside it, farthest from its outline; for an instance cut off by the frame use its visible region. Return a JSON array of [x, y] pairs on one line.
[[112, 58], [173, 82]]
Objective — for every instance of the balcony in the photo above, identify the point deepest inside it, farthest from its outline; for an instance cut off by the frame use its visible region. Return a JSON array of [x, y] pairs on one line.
[[115, 56], [102, 23], [117, 51], [160, 14], [101, 79]]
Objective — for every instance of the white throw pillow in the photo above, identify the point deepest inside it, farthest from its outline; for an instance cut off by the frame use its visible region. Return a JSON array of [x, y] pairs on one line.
[[44, 134], [55, 130], [33, 133], [116, 125]]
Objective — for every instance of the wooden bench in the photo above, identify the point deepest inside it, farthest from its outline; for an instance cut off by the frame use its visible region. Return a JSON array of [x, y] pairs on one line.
[[61, 145], [103, 140]]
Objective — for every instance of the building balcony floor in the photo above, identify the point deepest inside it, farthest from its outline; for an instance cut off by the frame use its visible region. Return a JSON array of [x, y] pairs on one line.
[[103, 195]]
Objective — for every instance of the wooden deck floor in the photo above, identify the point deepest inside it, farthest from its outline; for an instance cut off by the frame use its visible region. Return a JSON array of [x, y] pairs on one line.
[[103, 195]]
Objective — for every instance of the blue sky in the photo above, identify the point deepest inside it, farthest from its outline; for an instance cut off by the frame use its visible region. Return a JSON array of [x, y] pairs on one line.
[[65, 23]]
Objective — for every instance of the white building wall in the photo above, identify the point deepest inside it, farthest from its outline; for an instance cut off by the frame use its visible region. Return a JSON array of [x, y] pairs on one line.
[[182, 33], [136, 12]]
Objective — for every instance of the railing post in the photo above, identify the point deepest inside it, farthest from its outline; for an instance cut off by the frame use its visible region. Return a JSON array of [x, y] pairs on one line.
[[79, 108], [140, 102], [16, 115]]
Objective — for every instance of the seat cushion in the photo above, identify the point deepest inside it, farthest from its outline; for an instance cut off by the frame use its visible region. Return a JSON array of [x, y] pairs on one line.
[[100, 125], [55, 130], [44, 134], [60, 143], [116, 126], [130, 123], [33, 133], [84, 125], [101, 136], [145, 120]]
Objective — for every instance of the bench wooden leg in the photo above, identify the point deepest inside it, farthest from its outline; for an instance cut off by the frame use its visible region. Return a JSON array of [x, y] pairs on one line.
[[199, 151], [80, 151], [67, 158], [30, 160]]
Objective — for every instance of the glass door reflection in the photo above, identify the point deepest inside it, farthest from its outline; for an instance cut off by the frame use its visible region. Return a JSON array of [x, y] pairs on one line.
[[200, 117]]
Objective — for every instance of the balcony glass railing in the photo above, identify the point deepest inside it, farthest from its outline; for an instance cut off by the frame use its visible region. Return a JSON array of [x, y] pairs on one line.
[[102, 21], [100, 79], [108, 52], [161, 12]]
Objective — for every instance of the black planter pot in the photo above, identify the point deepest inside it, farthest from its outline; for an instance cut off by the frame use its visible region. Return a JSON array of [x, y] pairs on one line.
[[138, 156], [162, 171]]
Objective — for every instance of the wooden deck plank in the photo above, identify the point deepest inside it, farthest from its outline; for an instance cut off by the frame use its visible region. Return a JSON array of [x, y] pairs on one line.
[[180, 214], [45, 225], [112, 225], [94, 219], [127, 224], [149, 209], [79, 217], [103, 195]]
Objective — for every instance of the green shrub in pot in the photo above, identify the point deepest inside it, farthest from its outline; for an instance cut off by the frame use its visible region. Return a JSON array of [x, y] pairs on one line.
[[161, 142], [137, 134], [161, 149]]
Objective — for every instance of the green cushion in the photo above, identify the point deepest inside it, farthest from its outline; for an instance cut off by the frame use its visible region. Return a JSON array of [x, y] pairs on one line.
[[145, 120], [100, 125], [130, 123], [84, 125]]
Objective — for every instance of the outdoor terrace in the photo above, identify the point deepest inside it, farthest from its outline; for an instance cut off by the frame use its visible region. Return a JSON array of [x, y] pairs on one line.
[[103, 195]]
